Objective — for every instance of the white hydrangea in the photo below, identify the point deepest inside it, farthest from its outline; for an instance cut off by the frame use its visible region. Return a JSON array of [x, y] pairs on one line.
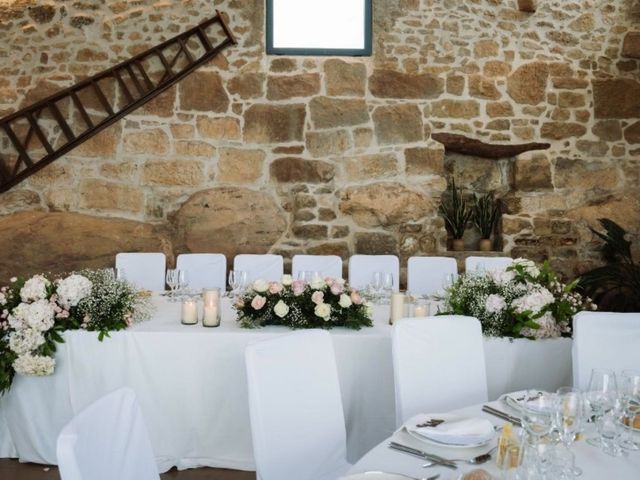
[[25, 341], [530, 266], [502, 277], [34, 289], [549, 328], [495, 303], [39, 365], [534, 301], [38, 315], [73, 289]]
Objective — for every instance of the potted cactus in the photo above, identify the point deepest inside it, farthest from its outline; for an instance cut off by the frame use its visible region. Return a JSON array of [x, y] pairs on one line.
[[456, 214]]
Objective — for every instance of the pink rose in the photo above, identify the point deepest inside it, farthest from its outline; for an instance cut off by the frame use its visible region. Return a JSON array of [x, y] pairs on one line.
[[258, 302], [317, 297], [239, 302], [337, 288], [329, 281], [275, 287], [356, 298], [298, 287]]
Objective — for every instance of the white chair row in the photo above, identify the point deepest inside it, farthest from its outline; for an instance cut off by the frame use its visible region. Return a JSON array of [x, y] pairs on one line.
[[297, 418], [425, 275]]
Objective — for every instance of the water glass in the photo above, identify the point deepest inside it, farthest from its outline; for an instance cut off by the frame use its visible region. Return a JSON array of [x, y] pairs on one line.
[[538, 414], [569, 413], [375, 287], [630, 405], [601, 396], [183, 281], [237, 281], [387, 284], [172, 282]]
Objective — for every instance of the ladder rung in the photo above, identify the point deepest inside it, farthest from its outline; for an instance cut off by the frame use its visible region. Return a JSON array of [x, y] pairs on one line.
[[123, 85], [80, 107], [39, 133], [102, 98], [17, 145], [62, 122], [135, 80]]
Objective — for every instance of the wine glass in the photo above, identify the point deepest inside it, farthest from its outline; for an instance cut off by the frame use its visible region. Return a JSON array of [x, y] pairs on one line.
[[387, 285], [568, 418], [172, 281], [538, 421], [183, 281], [241, 280], [376, 285], [630, 405], [601, 396], [237, 281]]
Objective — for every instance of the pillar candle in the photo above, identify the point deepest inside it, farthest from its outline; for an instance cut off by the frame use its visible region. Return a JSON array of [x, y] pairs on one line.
[[189, 312], [397, 307], [211, 316]]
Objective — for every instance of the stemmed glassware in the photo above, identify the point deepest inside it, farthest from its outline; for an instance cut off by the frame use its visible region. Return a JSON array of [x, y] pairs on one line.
[[183, 282], [376, 285], [237, 281], [569, 412], [538, 422], [172, 282], [630, 406], [387, 285], [601, 395]]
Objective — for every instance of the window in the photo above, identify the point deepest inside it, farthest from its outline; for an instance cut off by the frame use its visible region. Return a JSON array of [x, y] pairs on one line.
[[319, 27]]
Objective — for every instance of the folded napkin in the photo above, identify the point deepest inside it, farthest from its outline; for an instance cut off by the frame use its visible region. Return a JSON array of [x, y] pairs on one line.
[[455, 430]]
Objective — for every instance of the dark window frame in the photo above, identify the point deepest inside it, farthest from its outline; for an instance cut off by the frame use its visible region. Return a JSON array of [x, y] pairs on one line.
[[345, 52]]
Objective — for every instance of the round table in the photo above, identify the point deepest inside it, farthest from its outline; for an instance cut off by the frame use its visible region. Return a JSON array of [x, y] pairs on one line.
[[596, 464]]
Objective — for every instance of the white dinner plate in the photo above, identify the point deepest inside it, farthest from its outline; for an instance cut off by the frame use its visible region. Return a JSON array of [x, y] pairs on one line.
[[438, 443], [375, 476]]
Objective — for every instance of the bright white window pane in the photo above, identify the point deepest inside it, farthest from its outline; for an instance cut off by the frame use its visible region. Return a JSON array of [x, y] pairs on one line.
[[318, 24]]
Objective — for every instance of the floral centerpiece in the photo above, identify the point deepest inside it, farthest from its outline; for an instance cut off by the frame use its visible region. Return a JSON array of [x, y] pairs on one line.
[[321, 303], [35, 312], [525, 300]]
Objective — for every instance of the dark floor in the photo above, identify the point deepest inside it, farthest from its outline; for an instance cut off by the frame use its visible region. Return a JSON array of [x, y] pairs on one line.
[[13, 470]]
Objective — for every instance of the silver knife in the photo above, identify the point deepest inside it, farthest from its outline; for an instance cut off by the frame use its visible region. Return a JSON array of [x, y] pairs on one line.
[[419, 453], [503, 415]]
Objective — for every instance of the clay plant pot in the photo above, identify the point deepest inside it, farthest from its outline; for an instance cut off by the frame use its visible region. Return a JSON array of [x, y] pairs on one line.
[[458, 245], [485, 245]]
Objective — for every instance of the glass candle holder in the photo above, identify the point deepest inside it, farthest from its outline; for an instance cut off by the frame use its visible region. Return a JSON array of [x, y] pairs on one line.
[[421, 309], [211, 307], [189, 311]]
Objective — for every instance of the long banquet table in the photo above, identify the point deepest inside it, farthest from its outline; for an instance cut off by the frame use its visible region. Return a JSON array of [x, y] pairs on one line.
[[191, 384]]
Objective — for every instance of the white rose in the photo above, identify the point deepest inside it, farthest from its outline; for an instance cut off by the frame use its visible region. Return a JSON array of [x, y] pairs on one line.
[[369, 307], [260, 285], [3, 299], [323, 311], [345, 301], [73, 289], [34, 289], [281, 309], [39, 365], [494, 303], [317, 283], [287, 280]]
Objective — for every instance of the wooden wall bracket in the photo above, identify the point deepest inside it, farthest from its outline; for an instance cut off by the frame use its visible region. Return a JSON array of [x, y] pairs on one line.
[[37, 135], [457, 143]]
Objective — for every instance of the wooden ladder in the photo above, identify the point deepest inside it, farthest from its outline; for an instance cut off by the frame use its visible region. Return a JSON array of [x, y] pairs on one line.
[[35, 136]]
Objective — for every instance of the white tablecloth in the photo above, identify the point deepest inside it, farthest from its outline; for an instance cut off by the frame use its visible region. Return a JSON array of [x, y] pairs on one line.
[[191, 384], [595, 464]]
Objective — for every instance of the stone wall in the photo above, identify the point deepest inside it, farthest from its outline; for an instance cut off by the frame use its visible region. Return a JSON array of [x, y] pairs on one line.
[[254, 153]]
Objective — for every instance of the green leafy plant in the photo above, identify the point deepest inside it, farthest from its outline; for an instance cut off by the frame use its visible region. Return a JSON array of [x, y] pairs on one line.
[[456, 212], [614, 286], [485, 214]]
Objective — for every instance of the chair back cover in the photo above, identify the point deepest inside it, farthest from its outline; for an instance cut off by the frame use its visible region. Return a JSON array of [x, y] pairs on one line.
[[108, 440], [266, 267], [362, 268], [327, 265], [204, 270], [144, 270], [472, 264], [297, 421], [438, 365], [604, 340], [426, 275]]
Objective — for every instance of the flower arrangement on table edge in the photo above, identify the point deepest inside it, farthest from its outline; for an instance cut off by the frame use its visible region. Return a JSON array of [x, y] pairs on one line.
[[526, 300], [35, 312], [321, 303]]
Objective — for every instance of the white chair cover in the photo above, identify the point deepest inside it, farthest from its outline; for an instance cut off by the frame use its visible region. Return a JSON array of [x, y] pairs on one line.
[[362, 268], [471, 264], [438, 365], [108, 440], [266, 267], [204, 270], [327, 265], [604, 340], [144, 270], [426, 275], [297, 421]]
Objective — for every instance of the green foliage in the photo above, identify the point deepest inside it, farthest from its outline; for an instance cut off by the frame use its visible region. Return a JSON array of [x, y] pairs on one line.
[[455, 212], [485, 214], [614, 287]]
